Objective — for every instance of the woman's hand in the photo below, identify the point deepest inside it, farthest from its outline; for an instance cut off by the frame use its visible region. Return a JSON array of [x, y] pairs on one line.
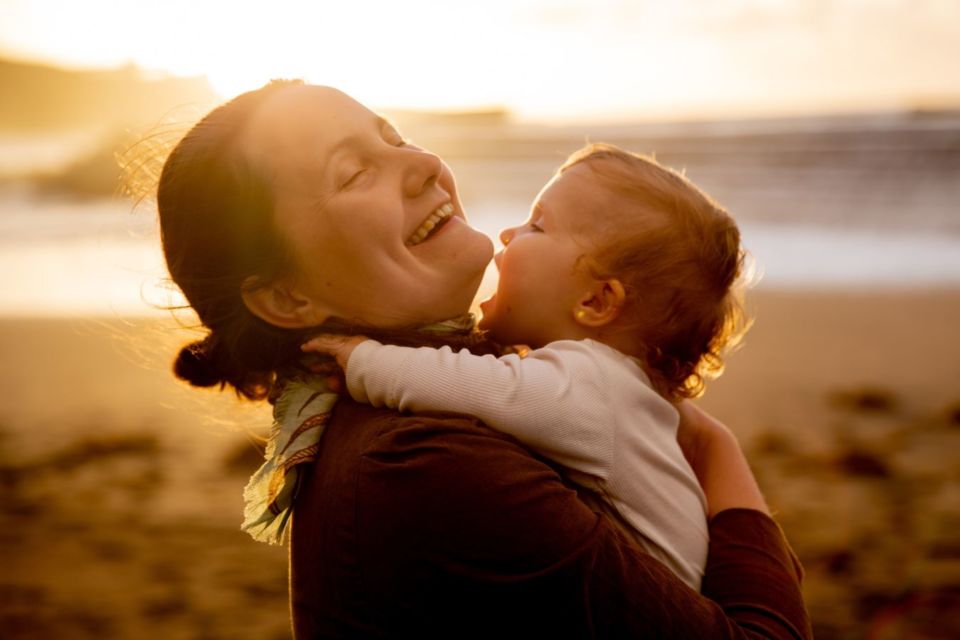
[[717, 459], [340, 347]]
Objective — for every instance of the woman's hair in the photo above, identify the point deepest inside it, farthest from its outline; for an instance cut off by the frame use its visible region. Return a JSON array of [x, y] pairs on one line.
[[217, 228], [678, 255]]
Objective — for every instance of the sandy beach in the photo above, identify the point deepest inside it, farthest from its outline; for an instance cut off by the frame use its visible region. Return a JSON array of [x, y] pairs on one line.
[[121, 487]]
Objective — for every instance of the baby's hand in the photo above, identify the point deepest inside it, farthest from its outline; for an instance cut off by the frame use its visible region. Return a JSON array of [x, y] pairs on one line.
[[340, 347]]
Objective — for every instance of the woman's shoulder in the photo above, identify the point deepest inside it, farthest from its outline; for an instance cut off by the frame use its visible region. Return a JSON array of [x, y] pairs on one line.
[[381, 440], [383, 429], [433, 443], [457, 479]]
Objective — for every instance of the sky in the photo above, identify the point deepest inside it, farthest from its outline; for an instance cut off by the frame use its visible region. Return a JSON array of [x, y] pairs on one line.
[[543, 59]]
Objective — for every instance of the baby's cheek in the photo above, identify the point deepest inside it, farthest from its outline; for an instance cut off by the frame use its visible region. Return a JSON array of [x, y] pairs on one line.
[[513, 274]]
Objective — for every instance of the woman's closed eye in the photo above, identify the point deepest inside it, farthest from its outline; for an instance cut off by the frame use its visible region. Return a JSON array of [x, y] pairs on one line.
[[352, 179], [395, 140]]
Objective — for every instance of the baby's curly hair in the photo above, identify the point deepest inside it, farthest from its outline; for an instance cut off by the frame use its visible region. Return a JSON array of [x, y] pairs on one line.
[[678, 255]]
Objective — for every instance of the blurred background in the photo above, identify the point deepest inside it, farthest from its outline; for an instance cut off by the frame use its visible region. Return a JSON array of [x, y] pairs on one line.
[[830, 129]]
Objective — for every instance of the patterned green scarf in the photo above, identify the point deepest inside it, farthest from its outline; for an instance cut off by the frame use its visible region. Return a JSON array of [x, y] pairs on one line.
[[300, 415]]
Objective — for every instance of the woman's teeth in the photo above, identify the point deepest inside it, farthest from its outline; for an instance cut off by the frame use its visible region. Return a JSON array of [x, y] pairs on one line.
[[433, 221]]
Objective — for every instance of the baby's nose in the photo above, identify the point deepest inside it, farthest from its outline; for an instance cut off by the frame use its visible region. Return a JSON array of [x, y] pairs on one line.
[[507, 235]]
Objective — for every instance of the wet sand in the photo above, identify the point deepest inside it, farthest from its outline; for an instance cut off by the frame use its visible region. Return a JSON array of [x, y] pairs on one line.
[[121, 487]]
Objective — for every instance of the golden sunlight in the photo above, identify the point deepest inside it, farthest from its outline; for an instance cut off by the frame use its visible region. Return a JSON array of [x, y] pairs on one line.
[[541, 59]]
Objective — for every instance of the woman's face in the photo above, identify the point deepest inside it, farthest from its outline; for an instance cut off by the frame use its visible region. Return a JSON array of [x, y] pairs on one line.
[[375, 225]]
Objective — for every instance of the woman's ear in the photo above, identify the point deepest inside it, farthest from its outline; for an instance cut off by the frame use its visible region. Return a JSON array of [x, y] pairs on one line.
[[601, 305], [280, 304]]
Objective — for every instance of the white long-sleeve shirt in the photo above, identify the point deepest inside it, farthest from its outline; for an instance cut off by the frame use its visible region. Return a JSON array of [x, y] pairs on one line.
[[580, 403]]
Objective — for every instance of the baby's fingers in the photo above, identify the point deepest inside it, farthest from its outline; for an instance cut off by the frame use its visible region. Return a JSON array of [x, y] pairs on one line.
[[326, 343], [340, 347]]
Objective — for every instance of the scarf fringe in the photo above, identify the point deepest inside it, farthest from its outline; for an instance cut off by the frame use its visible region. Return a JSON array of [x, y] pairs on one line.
[[299, 418]]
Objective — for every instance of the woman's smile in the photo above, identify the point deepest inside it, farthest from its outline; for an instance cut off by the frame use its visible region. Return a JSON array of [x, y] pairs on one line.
[[431, 224]]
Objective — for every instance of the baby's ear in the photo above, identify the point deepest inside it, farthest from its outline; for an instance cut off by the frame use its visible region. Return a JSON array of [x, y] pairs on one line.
[[601, 305], [281, 305]]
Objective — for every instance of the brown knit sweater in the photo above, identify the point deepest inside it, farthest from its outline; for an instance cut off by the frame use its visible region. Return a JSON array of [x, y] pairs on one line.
[[436, 526]]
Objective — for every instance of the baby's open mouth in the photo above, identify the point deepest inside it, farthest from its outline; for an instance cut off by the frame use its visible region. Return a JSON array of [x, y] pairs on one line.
[[431, 225]]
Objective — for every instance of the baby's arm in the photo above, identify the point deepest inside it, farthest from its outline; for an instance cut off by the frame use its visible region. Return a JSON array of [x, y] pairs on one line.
[[548, 400]]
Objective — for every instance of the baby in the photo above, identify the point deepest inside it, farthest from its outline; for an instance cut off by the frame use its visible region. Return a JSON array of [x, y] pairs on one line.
[[622, 284]]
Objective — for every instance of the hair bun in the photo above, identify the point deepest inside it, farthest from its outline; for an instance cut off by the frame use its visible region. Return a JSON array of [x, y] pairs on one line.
[[196, 365]]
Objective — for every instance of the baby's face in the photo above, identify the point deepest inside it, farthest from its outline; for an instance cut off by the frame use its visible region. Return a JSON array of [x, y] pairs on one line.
[[541, 276]]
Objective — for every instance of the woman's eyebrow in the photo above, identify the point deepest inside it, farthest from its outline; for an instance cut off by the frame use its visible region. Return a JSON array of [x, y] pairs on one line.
[[353, 140], [340, 146], [349, 143]]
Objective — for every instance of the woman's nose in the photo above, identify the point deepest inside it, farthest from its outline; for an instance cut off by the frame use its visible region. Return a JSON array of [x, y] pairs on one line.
[[422, 170]]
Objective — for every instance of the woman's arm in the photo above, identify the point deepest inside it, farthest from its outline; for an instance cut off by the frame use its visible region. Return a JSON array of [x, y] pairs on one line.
[[717, 459], [733, 497], [476, 523]]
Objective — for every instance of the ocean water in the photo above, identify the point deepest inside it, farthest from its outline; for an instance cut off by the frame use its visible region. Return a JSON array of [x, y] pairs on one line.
[[853, 203], [814, 256], [64, 257], [102, 257]]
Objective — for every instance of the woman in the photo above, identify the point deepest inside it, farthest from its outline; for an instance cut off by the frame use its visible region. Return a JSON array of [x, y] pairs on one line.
[[293, 208]]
